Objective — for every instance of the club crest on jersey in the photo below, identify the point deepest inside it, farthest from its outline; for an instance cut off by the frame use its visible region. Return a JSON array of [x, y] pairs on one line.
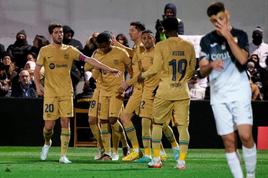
[[51, 66]]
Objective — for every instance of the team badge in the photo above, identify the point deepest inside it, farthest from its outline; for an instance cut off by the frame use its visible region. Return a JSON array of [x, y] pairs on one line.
[[51, 65]]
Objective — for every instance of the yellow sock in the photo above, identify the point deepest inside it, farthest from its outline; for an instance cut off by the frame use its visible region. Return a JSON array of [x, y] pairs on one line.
[[156, 139], [147, 151], [123, 137], [115, 141], [156, 152], [182, 156], [174, 144], [95, 129], [106, 137], [65, 139], [132, 136]]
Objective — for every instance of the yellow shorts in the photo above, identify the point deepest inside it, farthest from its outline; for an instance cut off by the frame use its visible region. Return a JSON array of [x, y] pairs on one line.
[[110, 106], [133, 104], [56, 107], [163, 110], [94, 104], [146, 108]]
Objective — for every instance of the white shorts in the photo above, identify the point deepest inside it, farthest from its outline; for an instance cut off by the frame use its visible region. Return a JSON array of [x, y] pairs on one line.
[[229, 115]]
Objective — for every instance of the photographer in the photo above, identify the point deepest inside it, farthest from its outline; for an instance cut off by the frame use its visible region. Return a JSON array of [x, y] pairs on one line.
[[170, 10]]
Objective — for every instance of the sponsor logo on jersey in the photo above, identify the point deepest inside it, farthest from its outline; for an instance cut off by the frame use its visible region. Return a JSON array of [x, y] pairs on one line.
[[61, 65], [223, 56], [52, 66]]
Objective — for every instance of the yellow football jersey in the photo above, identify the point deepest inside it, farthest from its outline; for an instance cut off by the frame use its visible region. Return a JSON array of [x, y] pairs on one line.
[[57, 62], [150, 84], [175, 60], [117, 58], [136, 65]]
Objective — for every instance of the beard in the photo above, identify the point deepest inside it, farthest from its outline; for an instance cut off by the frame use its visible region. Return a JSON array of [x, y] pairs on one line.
[[59, 42]]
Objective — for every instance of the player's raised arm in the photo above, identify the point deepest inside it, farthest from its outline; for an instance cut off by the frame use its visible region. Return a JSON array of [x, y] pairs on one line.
[[98, 64]]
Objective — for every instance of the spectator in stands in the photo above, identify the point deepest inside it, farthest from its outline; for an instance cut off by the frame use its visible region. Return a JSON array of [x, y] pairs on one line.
[[31, 56], [91, 44], [78, 66], [258, 46], [170, 10], [25, 87], [69, 38], [264, 80], [38, 42], [10, 67], [2, 50], [256, 60], [19, 49], [4, 81], [30, 66], [121, 38]]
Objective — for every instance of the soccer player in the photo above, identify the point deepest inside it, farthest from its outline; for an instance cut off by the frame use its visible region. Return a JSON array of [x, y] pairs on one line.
[[175, 59], [57, 60], [93, 112], [133, 104], [111, 101], [223, 52], [146, 106]]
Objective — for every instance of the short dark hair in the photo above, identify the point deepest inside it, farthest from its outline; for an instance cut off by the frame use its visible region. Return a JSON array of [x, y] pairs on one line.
[[139, 26], [148, 31], [170, 24], [52, 26], [104, 37], [215, 8]]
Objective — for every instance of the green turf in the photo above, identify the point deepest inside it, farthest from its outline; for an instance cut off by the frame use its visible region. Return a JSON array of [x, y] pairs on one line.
[[20, 162]]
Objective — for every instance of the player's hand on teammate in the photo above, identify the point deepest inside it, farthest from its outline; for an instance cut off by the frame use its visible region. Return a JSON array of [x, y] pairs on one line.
[[123, 86], [115, 72], [217, 64]]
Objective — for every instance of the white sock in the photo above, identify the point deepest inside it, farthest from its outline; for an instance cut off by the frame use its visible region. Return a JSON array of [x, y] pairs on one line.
[[234, 164], [250, 158]]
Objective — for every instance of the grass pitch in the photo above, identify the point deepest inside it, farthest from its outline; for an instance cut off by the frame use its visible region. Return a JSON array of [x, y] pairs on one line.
[[23, 162]]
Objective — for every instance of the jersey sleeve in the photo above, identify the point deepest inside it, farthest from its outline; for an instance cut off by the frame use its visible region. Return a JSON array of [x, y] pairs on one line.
[[40, 58], [243, 41], [75, 53], [204, 52], [157, 64], [135, 69], [192, 64]]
